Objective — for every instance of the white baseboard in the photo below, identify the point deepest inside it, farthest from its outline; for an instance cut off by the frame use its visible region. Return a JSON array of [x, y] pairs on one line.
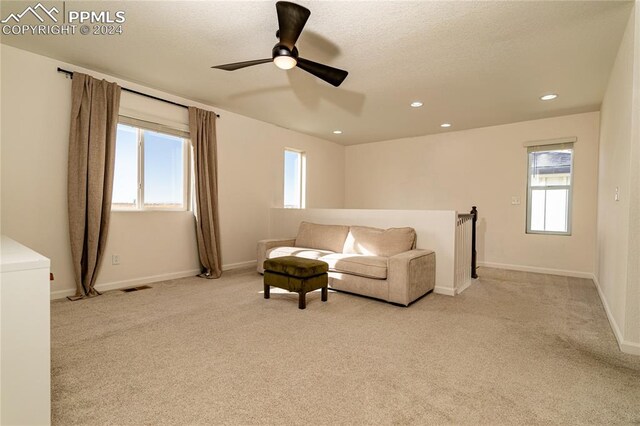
[[448, 291], [61, 294], [625, 346], [523, 268], [240, 265], [115, 285]]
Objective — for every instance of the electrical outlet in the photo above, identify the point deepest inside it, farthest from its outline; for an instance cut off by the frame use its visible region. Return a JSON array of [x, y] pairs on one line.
[[115, 259], [515, 201], [616, 197]]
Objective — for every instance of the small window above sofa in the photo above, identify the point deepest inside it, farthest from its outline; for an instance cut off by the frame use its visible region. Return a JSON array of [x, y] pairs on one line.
[[294, 179]]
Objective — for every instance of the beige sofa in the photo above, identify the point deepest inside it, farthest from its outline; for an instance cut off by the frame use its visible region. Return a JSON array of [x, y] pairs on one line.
[[373, 262]]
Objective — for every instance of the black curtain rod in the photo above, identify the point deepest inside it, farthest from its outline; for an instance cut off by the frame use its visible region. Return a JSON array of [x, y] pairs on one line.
[[70, 75]]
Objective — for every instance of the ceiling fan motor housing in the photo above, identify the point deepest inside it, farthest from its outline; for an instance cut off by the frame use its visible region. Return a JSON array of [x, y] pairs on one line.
[[282, 50]]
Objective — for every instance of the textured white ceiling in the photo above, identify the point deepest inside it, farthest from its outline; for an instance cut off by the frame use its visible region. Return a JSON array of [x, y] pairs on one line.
[[473, 64]]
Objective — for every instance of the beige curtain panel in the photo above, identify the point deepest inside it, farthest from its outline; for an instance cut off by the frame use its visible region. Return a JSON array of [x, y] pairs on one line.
[[92, 142], [202, 127]]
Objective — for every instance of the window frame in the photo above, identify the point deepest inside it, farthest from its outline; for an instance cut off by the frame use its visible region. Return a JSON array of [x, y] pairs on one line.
[[569, 210], [187, 197], [302, 176]]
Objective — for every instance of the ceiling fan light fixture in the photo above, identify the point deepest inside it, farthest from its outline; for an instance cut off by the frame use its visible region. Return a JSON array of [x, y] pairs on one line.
[[285, 62]]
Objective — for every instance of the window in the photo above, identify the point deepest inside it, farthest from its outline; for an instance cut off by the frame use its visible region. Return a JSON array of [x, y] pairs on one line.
[[151, 169], [549, 189], [294, 179]]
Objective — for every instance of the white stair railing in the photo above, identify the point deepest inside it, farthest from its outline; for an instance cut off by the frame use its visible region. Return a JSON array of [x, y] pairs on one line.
[[464, 251]]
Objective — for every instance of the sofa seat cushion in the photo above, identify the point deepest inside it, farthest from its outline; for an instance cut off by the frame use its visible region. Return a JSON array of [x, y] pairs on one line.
[[379, 242], [298, 267], [307, 253], [364, 266], [323, 237]]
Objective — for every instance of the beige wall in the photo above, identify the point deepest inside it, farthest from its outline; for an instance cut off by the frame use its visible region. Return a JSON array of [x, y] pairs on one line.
[[632, 325], [484, 167], [618, 229], [152, 245]]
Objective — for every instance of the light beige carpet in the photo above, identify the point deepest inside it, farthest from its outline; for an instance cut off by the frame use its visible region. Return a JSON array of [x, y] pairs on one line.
[[514, 348]]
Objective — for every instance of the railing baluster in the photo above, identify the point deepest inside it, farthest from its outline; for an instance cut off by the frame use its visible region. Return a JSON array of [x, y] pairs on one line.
[[474, 254]]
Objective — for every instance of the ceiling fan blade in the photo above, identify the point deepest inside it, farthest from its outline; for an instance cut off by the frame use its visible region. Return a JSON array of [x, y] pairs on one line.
[[238, 65], [329, 74], [291, 20]]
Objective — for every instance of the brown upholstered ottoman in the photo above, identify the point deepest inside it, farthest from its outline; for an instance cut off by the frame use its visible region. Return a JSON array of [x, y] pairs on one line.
[[296, 274]]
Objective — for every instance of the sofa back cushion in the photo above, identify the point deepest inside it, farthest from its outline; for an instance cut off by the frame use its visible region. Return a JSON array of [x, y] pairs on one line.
[[323, 237], [379, 242]]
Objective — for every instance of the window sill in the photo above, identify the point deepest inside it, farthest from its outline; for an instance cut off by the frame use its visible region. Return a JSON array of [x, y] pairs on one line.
[[563, 234], [150, 211]]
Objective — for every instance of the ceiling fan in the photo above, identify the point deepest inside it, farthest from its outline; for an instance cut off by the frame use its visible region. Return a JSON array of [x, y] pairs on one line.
[[291, 20]]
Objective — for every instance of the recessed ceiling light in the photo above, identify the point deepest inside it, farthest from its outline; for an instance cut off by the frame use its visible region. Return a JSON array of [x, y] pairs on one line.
[[337, 132], [549, 97], [445, 125], [416, 104]]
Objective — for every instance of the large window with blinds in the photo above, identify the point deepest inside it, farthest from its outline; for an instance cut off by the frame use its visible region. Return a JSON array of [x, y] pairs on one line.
[[151, 167], [549, 189]]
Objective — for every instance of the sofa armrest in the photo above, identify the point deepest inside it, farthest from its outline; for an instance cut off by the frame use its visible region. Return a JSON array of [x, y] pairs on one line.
[[266, 245], [410, 275]]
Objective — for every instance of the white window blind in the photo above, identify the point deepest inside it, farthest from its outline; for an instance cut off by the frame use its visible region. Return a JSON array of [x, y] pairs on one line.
[[156, 127]]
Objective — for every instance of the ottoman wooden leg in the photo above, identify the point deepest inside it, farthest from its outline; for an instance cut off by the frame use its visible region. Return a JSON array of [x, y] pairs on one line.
[[267, 287], [325, 291], [302, 300]]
